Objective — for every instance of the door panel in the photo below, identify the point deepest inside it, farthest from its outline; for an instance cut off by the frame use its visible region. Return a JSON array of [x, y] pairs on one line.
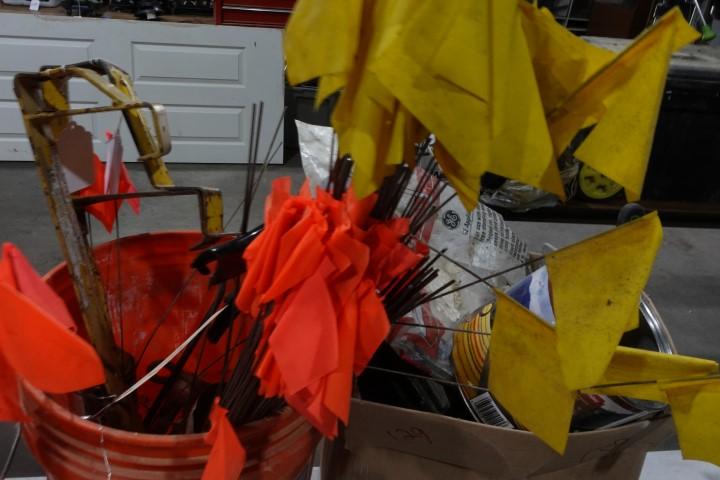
[[206, 76]]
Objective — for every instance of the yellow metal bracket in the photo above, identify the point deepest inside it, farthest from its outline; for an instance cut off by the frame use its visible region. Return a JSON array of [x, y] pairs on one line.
[[51, 84], [45, 105]]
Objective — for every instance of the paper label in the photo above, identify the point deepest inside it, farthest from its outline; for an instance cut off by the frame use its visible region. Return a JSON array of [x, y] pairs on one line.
[[75, 152], [315, 143], [113, 163], [479, 241], [481, 232], [34, 5], [488, 412]]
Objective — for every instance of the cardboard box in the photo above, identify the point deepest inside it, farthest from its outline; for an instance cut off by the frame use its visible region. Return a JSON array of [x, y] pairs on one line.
[[385, 442]]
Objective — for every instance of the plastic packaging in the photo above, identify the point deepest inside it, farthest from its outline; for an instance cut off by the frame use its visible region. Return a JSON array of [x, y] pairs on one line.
[[479, 241], [315, 142], [70, 447], [520, 197]]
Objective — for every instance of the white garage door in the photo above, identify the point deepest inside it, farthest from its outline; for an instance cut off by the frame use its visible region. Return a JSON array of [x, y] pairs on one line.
[[206, 76]]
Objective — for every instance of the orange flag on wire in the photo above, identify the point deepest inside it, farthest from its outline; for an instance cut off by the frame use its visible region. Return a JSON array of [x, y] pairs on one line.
[[23, 277], [320, 262], [9, 406], [37, 341], [106, 212], [227, 457], [310, 317]]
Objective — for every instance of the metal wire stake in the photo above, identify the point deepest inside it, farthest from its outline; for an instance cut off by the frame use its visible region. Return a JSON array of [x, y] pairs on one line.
[[489, 277], [426, 377], [440, 327], [11, 454], [700, 13]]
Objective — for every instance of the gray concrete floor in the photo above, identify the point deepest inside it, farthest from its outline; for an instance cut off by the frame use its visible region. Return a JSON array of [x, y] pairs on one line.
[[684, 284]]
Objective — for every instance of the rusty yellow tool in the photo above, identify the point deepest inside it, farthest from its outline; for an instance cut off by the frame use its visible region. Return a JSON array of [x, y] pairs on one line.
[[45, 105]]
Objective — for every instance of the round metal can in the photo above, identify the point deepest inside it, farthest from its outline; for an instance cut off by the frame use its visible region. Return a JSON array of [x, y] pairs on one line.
[[470, 359]]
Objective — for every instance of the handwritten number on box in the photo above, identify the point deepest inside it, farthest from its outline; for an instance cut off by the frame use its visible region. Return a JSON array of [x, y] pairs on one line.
[[412, 433]]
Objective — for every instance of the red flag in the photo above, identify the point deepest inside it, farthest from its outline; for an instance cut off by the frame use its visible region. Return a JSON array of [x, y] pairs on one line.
[[106, 212], [116, 177], [227, 457]]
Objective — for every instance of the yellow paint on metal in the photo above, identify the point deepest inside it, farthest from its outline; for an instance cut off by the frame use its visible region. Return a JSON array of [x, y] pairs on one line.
[[595, 185]]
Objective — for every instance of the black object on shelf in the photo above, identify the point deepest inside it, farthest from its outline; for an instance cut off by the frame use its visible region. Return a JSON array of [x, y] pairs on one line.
[[685, 160], [414, 391], [148, 9], [190, 7], [300, 104], [142, 9], [84, 8]]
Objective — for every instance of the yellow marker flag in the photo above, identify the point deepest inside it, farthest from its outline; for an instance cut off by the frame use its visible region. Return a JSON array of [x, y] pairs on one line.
[[596, 286], [521, 148], [562, 61], [502, 27], [696, 414], [365, 114], [630, 365], [366, 136], [525, 374], [327, 85], [604, 90], [429, 67], [312, 27], [619, 146], [457, 176], [586, 105]]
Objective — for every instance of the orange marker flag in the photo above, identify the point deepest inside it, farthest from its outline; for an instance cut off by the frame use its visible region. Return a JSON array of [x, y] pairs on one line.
[[23, 277], [106, 212], [36, 344], [305, 340], [320, 262], [10, 410], [227, 457]]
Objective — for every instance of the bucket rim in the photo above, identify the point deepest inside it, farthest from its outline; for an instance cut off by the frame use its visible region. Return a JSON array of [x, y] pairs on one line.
[[130, 238], [54, 409]]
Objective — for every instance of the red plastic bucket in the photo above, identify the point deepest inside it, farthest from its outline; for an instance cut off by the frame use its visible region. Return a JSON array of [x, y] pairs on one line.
[[153, 268]]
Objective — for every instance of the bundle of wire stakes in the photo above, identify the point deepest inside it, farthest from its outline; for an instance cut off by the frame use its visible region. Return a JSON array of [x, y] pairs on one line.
[[302, 301], [315, 288]]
